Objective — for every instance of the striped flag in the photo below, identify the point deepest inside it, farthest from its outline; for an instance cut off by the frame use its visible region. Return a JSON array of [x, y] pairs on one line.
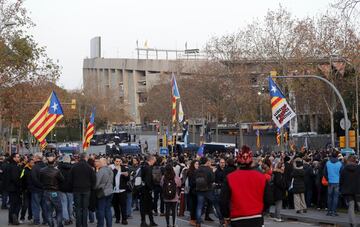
[[281, 110], [258, 145], [175, 95], [90, 130], [45, 120]]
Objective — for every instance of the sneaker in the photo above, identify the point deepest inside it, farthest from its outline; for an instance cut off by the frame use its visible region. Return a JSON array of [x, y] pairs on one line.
[[22, 221], [304, 211], [278, 220], [153, 224], [124, 222], [329, 214], [208, 219]]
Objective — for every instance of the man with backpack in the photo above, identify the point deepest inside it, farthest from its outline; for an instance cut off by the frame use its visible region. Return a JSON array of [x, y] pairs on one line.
[[204, 179], [157, 175]]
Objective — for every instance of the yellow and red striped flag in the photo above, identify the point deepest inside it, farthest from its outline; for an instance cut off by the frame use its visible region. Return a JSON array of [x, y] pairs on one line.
[[90, 130], [175, 95], [45, 120]]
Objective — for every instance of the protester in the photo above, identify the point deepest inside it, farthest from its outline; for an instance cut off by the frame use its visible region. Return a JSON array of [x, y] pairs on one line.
[[245, 211], [51, 178], [298, 186], [279, 189], [192, 190], [146, 191], [66, 195], [82, 180], [350, 187], [12, 185], [170, 184], [37, 192], [121, 177], [332, 174], [157, 174], [25, 178]]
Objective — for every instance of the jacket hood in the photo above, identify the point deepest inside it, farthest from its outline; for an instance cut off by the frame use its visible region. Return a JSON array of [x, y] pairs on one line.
[[63, 165], [334, 160], [350, 167]]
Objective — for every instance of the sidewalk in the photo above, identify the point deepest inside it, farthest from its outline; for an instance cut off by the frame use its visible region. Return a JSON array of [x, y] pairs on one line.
[[316, 216]]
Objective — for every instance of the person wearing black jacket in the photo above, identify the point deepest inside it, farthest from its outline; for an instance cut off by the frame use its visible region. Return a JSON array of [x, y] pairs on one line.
[[51, 179], [66, 194], [4, 195], [26, 194], [298, 189], [146, 191], [350, 186], [121, 178], [309, 179], [192, 190], [82, 180], [279, 188], [13, 187], [37, 192]]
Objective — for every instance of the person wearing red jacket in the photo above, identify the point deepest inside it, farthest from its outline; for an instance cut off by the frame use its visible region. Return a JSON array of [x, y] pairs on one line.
[[245, 193]]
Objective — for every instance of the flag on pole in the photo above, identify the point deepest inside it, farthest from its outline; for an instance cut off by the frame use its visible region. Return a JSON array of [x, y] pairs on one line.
[[90, 130], [281, 110], [258, 145], [175, 96], [45, 120], [200, 151], [278, 136], [181, 112]]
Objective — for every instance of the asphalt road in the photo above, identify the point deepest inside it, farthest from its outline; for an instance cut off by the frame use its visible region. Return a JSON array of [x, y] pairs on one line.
[[181, 222]]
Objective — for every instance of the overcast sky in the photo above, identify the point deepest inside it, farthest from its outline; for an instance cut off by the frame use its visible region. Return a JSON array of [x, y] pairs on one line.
[[65, 27]]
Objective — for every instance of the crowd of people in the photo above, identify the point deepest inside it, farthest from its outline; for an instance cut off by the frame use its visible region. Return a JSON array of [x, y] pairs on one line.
[[45, 188]]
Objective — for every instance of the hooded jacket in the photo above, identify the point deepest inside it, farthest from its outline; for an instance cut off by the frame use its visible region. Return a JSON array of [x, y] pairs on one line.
[[298, 175], [332, 170], [65, 169], [350, 180]]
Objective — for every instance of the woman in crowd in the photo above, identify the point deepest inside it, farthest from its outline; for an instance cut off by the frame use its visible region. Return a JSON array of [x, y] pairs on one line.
[[192, 192], [279, 187], [170, 184], [298, 175]]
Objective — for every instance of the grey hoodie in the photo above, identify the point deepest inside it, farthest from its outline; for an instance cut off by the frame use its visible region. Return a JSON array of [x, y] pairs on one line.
[[104, 180]]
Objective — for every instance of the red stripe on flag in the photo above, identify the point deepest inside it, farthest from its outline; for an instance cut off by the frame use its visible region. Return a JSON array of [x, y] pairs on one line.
[[47, 127], [37, 120], [42, 124], [275, 101]]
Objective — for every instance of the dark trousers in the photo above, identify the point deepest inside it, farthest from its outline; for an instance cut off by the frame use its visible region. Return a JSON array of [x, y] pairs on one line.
[[15, 205], [26, 205], [53, 203], [253, 222], [158, 195], [81, 201], [170, 207], [146, 206], [5, 199], [37, 205], [192, 205], [119, 203]]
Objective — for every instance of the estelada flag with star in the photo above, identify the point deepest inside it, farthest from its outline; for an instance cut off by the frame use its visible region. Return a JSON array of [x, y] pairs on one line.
[[45, 120], [281, 110]]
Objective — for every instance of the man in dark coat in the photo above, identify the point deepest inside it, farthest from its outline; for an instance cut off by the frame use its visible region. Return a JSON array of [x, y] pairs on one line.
[[13, 187], [66, 194], [350, 186], [82, 180], [298, 186]]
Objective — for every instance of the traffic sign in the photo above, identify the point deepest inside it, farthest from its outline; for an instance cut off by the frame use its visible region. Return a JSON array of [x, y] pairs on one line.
[[342, 124]]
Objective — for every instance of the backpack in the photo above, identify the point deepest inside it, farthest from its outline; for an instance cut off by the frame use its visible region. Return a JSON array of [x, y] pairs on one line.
[[169, 189], [135, 183], [156, 175], [201, 181]]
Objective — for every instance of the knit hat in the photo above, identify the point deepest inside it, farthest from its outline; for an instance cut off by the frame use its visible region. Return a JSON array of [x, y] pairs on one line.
[[245, 156]]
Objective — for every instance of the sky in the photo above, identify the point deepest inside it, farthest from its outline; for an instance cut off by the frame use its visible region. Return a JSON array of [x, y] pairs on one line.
[[65, 27]]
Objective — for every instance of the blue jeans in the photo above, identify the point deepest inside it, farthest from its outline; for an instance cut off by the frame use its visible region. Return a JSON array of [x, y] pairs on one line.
[[201, 198], [103, 211], [91, 216], [5, 199], [129, 203], [333, 197], [53, 202], [67, 201], [37, 203], [217, 205]]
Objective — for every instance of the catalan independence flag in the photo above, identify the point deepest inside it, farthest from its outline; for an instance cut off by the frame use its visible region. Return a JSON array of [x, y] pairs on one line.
[[46, 119], [90, 130], [175, 95], [281, 110]]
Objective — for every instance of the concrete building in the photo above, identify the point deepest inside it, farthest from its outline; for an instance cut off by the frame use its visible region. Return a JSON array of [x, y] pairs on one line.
[[127, 81]]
